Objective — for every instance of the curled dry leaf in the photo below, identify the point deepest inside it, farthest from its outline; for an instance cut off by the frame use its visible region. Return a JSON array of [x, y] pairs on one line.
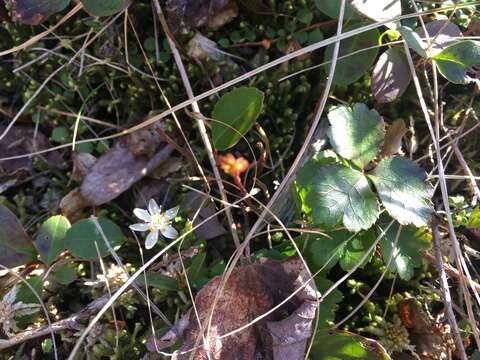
[[249, 292], [184, 15], [202, 48], [126, 162], [34, 12], [212, 228], [22, 140], [82, 163], [392, 143]]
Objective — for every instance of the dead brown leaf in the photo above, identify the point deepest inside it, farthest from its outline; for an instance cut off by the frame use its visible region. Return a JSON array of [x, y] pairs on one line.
[[22, 140], [249, 292], [126, 162], [432, 338], [184, 15], [393, 138]]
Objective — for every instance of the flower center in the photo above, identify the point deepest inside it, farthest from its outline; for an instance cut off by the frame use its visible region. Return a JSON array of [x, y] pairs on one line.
[[159, 221]]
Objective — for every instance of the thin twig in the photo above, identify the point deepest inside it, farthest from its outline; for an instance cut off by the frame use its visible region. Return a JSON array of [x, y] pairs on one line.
[[447, 298], [201, 125]]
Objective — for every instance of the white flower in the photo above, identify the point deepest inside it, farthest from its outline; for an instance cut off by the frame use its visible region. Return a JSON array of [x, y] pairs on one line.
[[155, 221]]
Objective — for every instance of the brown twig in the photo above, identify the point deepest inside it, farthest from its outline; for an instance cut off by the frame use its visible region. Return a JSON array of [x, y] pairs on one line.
[[447, 299]]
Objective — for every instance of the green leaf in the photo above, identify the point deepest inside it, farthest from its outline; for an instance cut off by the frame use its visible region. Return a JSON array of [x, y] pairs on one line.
[[356, 133], [34, 12], [356, 248], [83, 235], [104, 7], [335, 193], [456, 60], [352, 68], [60, 134], [238, 109], [339, 246], [407, 254], [379, 10], [401, 186], [65, 275], [195, 272], [329, 305], [16, 247], [305, 16], [344, 345], [50, 239], [25, 294], [332, 9], [414, 41], [159, 281]]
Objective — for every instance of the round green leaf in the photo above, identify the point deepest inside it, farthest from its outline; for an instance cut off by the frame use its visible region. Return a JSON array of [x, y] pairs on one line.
[[34, 12], [50, 239], [16, 247], [352, 68], [356, 133], [391, 76], [332, 194], [324, 252], [456, 60], [82, 236], [344, 345], [104, 7], [65, 275], [379, 10], [332, 9], [238, 110], [401, 186]]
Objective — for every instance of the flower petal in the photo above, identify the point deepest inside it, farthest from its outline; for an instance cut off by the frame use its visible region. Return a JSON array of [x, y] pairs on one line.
[[142, 214], [170, 232], [171, 213], [153, 207], [152, 239], [140, 227]]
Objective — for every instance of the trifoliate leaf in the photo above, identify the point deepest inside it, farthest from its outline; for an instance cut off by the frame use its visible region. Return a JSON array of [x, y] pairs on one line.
[[455, 61], [332, 194], [356, 133], [356, 248], [238, 110], [401, 186], [323, 252], [407, 254]]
